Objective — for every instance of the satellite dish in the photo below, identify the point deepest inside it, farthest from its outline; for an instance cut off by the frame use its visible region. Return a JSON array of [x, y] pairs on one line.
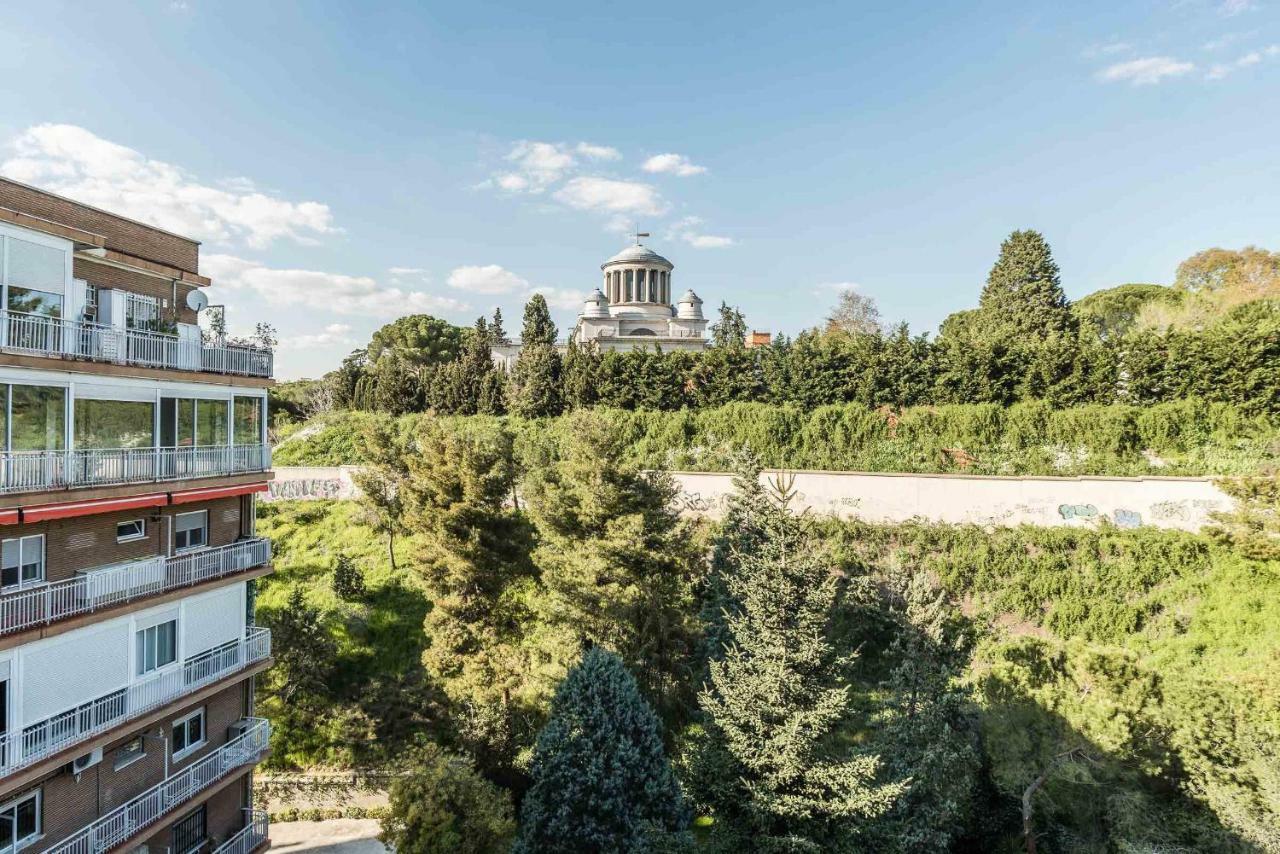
[[197, 301]]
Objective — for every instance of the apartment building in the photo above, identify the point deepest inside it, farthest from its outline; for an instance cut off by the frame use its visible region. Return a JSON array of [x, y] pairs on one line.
[[133, 453]]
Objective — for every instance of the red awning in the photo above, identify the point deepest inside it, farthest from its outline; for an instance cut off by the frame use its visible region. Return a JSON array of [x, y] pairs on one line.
[[68, 509], [8, 517], [216, 492]]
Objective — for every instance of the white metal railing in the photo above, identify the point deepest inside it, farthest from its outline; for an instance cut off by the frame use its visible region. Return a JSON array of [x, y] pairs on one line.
[[253, 834], [77, 339], [44, 738], [25, 471], [129, 819], [108, 586]]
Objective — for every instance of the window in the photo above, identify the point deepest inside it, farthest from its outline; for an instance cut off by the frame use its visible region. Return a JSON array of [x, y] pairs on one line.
[[91, 303], [189, 834], [20, 821], [129, 753], [190, 531], [248, 420], [211, 422], [188, 733], [134, 529], [114, 423], [157, 647], [35, 418], [23, 561], [141, 312]]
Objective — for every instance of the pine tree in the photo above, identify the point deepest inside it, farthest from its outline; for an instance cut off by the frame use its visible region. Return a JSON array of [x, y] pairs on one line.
[[348, 581], [538, 327], [579, 379], [616, 560], [730, 331], [475, 553], [601, 780], [1023, 297], [496, 331], [441, 805], [470, 384], [770, 767]]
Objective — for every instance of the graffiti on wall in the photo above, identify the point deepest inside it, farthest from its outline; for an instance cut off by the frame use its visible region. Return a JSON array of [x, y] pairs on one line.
[[1077, 511]]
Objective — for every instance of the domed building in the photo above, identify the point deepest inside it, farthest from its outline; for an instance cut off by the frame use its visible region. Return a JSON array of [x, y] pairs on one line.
[[633, 308]]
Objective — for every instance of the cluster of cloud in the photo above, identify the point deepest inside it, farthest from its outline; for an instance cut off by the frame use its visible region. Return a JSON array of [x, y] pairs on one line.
[[689, 230], [1220, 70], [570, 175], [75, 162], [495, 280], [1150, 70], [362, 296], [333, 335]]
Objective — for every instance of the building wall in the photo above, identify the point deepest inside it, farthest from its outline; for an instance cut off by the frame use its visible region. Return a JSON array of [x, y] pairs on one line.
[[70, 804], [106, 276], [122, 234], [86, 542]]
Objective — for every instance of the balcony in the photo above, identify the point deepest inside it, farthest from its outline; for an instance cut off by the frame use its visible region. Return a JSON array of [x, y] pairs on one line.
[[75, 339], [130, 819], [108, 586], [43, 739], [249, 838], [35, 471]]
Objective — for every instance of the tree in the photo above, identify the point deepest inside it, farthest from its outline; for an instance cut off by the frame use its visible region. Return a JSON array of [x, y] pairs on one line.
[[616, 561], [601, 781], [1249, 270], [538, 327], [854, 314], [926, 735], [419, 339], [771, 767], [381, 482], [304, 654], [1109, 314], [496, 330], [579, 375], [442, 806], [537, 389], [470, 384], [477, 572], [730, 331], [348, 580], [1023, 297]]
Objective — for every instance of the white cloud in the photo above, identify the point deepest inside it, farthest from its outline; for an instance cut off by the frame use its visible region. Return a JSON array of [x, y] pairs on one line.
[[608, 195], [486, 279], [674, 164], [598, 152], [1231, 8], [689, 230], [562, 298], [320, 291], [333, 334], [840, 286], [407, 271], [537, 166], [1145, 72], [1219, 70], [1107, 49], [75, 162]]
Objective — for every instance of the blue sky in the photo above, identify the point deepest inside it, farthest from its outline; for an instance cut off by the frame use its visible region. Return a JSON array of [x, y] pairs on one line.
[[346, 163]]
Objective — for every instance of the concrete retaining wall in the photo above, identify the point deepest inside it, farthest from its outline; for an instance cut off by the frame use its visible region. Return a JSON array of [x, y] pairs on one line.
[[1129, 502]]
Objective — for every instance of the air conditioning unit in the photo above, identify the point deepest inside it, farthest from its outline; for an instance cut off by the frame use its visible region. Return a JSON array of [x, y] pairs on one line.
[[238, 728], [88, 760]]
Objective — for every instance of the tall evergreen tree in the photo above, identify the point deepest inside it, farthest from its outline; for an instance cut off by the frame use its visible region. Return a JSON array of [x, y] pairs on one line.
[[730, 331], [538, 327], [579, 373], [771, 767], [616, 560], [1023, 297], [471, 384], [496, 331], [601, 781], [537, 385]]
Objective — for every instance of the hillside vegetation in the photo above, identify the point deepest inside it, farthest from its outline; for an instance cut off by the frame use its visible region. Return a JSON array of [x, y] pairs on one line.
[[1188, 437]]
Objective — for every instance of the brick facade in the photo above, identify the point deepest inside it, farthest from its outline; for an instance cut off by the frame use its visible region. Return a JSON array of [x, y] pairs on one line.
[[70, 804], [85, 542], [123, 235], [169, 293]]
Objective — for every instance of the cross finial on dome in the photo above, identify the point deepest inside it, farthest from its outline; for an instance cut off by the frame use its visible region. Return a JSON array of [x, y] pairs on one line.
[[639, 234]]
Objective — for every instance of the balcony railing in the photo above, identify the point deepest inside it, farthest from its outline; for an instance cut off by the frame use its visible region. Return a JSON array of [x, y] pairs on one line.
[[250, 837], [76, 339], [127, 820], [55, 734], [108, 586], [27, 471]]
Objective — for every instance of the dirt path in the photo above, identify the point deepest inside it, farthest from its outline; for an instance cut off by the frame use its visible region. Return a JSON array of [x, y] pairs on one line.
[[339, 836]]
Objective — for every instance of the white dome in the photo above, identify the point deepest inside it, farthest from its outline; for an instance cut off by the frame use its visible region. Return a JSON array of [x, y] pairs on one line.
[[596, 305], [689, 307], [638, 254]]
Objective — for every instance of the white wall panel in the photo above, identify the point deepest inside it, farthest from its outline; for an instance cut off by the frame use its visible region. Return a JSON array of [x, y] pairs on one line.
[[212, 619], [67, 671]]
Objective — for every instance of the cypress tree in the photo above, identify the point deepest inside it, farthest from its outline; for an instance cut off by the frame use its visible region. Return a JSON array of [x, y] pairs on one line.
[[770, 766], [537, 389], [1023, 297], [601, 781]]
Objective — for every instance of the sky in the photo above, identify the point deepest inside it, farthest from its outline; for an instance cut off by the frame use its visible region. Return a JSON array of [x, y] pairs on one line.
[[344, 164]]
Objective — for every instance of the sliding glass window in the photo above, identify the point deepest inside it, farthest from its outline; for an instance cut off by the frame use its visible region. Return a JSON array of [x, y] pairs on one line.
[[114, 424], [186, 421], [211, 422], [34, 417], [248, 420]]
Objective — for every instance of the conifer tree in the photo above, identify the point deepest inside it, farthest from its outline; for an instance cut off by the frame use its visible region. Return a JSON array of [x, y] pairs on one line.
[[1023, 297], [348, 581], [770, 767], [496, 331], [441, 805], [730, 331], [581, 364], [601, 781], [536, 383], [616, 560]]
